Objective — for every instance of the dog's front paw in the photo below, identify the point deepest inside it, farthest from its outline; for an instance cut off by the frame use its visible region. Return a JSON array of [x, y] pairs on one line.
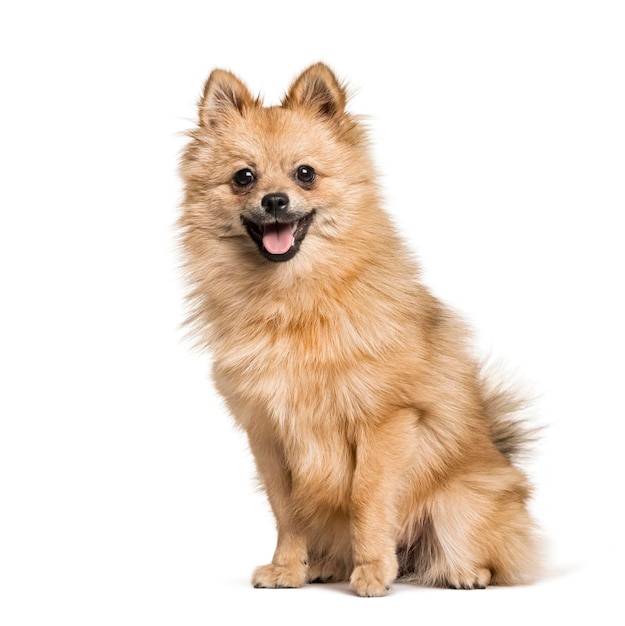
[[372, 580], [476, 580], [279, 576]]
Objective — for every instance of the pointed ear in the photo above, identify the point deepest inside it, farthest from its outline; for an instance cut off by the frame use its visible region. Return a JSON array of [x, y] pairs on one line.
[[223, 93], [318, 89]]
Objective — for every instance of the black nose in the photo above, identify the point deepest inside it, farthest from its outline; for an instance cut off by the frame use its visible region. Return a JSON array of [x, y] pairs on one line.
[[275, 203]]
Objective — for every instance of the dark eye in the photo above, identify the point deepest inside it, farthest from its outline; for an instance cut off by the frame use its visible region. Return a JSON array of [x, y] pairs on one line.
[[244, 177], [305, 174]]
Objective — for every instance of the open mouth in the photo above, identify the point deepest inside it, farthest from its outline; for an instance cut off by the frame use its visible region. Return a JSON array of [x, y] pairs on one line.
[[278, 241]]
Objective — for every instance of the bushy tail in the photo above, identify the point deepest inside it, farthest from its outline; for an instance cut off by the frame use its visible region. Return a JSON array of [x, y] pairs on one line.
[[507, 412]]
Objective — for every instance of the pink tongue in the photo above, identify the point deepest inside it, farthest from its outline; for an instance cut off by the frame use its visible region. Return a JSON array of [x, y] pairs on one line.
[[278, 238]]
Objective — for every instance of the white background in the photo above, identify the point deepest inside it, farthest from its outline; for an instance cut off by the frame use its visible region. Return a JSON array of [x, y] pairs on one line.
[[126, 496]]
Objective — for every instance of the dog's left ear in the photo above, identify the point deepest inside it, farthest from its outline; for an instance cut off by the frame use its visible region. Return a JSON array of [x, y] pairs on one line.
[[224, 94], [317, 88]]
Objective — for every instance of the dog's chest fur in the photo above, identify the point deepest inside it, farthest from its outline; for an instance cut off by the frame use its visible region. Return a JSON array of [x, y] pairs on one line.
[[293, 373], [311, 385]]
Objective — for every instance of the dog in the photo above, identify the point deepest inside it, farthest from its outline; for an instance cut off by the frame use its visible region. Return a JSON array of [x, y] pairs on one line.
[[384, 450]]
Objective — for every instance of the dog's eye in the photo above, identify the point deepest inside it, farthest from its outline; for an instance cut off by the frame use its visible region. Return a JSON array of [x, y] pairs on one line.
[[244, 177], [305, 174]]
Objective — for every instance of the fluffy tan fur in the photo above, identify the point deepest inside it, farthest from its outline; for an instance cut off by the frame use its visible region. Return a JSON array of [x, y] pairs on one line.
[[380, 448]]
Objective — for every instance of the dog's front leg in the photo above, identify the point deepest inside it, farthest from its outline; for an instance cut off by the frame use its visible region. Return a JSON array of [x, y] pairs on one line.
[[289, 566], [383, 454]]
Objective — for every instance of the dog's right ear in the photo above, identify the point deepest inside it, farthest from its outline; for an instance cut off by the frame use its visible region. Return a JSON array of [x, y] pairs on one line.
[[317, 89], [223, 94]]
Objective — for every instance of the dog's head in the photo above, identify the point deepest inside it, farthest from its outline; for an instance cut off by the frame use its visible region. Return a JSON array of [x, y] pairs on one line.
[[276, 180]]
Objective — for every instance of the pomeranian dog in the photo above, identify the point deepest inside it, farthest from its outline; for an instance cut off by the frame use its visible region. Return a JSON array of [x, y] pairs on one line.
[[384, 451]]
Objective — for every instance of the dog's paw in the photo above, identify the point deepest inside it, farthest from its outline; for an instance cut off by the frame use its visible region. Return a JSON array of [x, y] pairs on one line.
[[476, 580], [372, 580], [279, 576]]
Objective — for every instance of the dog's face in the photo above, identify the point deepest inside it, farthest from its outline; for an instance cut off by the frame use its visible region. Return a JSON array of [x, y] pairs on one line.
[[273, 177], [276, 180]]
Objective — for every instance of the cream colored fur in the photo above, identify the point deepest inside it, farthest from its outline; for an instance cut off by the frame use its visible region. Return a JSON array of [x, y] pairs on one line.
[[374, 436]]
